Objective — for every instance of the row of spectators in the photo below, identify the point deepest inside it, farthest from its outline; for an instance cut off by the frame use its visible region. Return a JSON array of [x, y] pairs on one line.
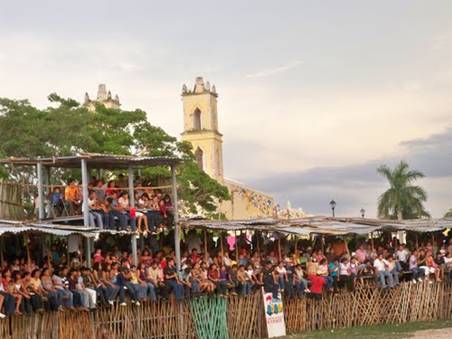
[[110, 208], [26, 288]]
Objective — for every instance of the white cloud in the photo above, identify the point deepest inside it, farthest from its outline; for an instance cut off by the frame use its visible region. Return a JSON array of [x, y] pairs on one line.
[[275, 70]]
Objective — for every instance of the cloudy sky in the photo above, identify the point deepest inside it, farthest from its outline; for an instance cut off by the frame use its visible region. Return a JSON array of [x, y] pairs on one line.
[[317, 94]]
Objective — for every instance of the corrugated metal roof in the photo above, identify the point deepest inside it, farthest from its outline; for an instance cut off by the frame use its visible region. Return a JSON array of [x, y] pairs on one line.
[[12, 226], [94, 160], [322, 225]]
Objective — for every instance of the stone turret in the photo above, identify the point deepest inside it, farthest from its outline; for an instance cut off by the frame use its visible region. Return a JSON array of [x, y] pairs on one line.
[[104, 97], [102, 92], [199, 88]]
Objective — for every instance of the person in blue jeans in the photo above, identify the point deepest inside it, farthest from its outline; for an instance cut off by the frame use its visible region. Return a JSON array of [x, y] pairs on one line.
[[119, 209], [244, 282], [9, 302], [151, 293], [123, 281], [299, 281], [381, 266], [172, 280]]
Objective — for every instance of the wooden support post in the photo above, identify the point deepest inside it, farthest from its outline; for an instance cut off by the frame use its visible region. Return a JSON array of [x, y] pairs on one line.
[[88, 251], [206, 253], [236, 248], [40, 190], [323, 244], [372, 240], [133, 237], [48, 171], [279, 249], [27, 249], [417, 239], [221, 243], [346, 247], [68, 260], [85, 192], [85, 208], [258, 242], [49, 250], [180, 319], [176, 219], [314, 240]]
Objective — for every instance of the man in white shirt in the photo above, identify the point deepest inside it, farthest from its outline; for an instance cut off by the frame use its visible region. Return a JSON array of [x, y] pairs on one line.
[[402, 255], [381, 265]]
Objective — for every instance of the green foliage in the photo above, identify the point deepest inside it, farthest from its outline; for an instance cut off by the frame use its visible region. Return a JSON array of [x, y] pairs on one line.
[[66, 128], [402, 200], [195, 186]]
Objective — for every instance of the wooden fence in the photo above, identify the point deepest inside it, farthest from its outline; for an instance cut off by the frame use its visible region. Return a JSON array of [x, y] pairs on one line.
[[245, 316], [370, 306]]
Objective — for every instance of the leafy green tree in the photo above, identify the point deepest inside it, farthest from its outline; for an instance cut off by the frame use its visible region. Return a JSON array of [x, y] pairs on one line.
[[66, 127], [403, 199]]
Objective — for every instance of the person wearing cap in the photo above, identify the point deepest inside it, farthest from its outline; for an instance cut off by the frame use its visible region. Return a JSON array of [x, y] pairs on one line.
[[270, 280]]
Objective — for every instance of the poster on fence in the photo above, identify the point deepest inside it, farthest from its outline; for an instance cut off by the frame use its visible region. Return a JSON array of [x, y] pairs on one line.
[[274, 315]]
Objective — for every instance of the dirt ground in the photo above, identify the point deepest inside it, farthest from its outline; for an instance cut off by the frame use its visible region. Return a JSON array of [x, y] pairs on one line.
[[440, 329], [441, 333]]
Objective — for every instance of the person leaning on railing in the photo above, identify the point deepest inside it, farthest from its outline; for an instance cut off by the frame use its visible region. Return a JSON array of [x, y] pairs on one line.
[[73, 197]]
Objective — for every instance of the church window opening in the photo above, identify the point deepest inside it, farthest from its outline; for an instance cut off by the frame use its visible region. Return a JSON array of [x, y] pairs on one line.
[[197, 120], [199, 158]]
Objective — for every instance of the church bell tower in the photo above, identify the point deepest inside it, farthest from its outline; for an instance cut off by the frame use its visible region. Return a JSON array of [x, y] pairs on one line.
[[201, 127]]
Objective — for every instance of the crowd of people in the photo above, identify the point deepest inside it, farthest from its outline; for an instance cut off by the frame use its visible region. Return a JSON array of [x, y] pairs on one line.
[[110, 208], [293, 272]]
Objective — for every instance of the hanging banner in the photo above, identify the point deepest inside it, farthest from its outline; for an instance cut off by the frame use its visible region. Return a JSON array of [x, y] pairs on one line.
[[274, 315]]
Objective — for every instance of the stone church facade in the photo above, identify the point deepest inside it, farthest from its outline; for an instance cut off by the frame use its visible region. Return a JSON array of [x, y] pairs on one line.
[[201, 130]]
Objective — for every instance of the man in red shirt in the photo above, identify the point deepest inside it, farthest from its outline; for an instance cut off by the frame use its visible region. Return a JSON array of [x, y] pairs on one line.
[[316, 287]]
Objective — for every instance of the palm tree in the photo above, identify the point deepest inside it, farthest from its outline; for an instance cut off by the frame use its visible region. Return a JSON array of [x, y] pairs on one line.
[[403, 199], [448, 214]]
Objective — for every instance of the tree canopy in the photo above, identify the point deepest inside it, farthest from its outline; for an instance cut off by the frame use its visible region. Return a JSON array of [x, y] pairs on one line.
[[403, 199], [65, 127]]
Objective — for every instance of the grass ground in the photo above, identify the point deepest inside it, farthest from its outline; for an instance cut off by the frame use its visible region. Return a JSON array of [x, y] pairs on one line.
[[376, 332]]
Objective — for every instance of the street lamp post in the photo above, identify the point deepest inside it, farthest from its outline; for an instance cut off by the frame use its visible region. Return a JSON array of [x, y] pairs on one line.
[[363, 212], [333, 206]]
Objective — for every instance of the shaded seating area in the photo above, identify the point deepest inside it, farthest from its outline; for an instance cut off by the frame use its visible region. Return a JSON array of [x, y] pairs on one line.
[[62, 204]]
